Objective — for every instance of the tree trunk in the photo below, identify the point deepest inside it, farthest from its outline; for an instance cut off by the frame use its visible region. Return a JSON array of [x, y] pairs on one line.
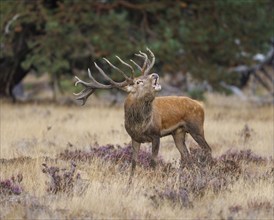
[[11, 72]]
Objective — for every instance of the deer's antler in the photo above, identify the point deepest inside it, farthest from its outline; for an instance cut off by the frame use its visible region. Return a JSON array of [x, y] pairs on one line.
[[91, 86], [147, 66]]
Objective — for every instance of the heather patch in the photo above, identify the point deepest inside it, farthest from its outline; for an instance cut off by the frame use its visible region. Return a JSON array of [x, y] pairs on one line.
[[63, 180], [246, 156], [110, 153], [11, 186], [185, 186]]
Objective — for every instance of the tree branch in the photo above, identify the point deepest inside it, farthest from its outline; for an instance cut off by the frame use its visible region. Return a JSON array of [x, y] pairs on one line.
[[14, 18]]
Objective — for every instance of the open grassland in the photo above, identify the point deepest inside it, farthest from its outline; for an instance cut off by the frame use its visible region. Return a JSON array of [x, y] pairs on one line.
[[63, 166]]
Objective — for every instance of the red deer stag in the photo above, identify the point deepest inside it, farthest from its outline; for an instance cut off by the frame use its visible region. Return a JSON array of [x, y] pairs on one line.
[[147, 117]]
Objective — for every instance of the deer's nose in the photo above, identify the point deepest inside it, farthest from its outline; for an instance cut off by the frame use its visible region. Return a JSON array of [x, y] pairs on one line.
[[154, 76]]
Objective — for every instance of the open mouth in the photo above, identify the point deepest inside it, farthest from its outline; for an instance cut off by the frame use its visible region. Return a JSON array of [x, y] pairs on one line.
[[156, 81], [156, 84]]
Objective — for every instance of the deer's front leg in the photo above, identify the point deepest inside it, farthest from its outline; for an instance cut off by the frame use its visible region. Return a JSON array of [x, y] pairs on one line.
[[155, 150], [135, 152]]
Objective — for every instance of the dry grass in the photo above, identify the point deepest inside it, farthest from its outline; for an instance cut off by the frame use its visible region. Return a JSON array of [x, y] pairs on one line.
[[35, 134]]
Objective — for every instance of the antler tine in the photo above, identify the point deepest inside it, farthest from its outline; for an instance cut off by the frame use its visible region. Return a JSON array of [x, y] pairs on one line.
[[143, 55], [139, 68], [129, 66], [151, 63], [94, 82], [112, 82], [116, 68], [89, 88], [76, 83], [90, 84], [85, 93], [83, 96], [104, 74]]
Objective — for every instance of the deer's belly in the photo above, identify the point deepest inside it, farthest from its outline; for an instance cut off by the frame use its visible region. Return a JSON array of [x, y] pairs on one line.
[[169, 130]]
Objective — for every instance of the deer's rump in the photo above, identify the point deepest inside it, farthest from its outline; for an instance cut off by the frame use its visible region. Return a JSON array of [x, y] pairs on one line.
[[173, 112]]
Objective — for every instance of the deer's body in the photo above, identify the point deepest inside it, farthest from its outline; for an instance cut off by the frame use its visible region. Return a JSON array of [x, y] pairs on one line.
[[162, 116], [147, 117]]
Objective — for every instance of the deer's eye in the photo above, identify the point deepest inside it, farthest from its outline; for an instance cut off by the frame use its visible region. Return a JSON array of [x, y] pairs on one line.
[[139, 82]]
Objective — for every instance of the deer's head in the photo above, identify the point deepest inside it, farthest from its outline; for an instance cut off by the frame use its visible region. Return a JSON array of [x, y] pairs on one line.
[[143, 86]]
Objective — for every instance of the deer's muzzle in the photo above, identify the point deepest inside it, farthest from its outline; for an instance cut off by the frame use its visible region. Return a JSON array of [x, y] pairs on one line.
[[155, 83]]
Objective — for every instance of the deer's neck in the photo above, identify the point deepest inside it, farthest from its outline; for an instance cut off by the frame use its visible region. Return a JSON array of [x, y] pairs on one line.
[[138, 112]]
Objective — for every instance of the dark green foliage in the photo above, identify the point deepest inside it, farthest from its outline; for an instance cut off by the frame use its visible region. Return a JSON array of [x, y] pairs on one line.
[[202, 37], [226, 33], [197, 94]]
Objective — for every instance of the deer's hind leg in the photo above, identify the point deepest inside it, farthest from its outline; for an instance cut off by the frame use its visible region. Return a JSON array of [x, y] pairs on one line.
[[179, 139], [197, 132], [198, 136], [200, 139]]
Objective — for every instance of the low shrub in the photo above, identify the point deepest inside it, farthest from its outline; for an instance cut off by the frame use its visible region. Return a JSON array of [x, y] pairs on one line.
[[61, 179], [11, 186], [116, 154]]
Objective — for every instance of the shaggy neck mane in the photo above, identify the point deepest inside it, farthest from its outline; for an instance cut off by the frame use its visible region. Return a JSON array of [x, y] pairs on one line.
[[139, 110]]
